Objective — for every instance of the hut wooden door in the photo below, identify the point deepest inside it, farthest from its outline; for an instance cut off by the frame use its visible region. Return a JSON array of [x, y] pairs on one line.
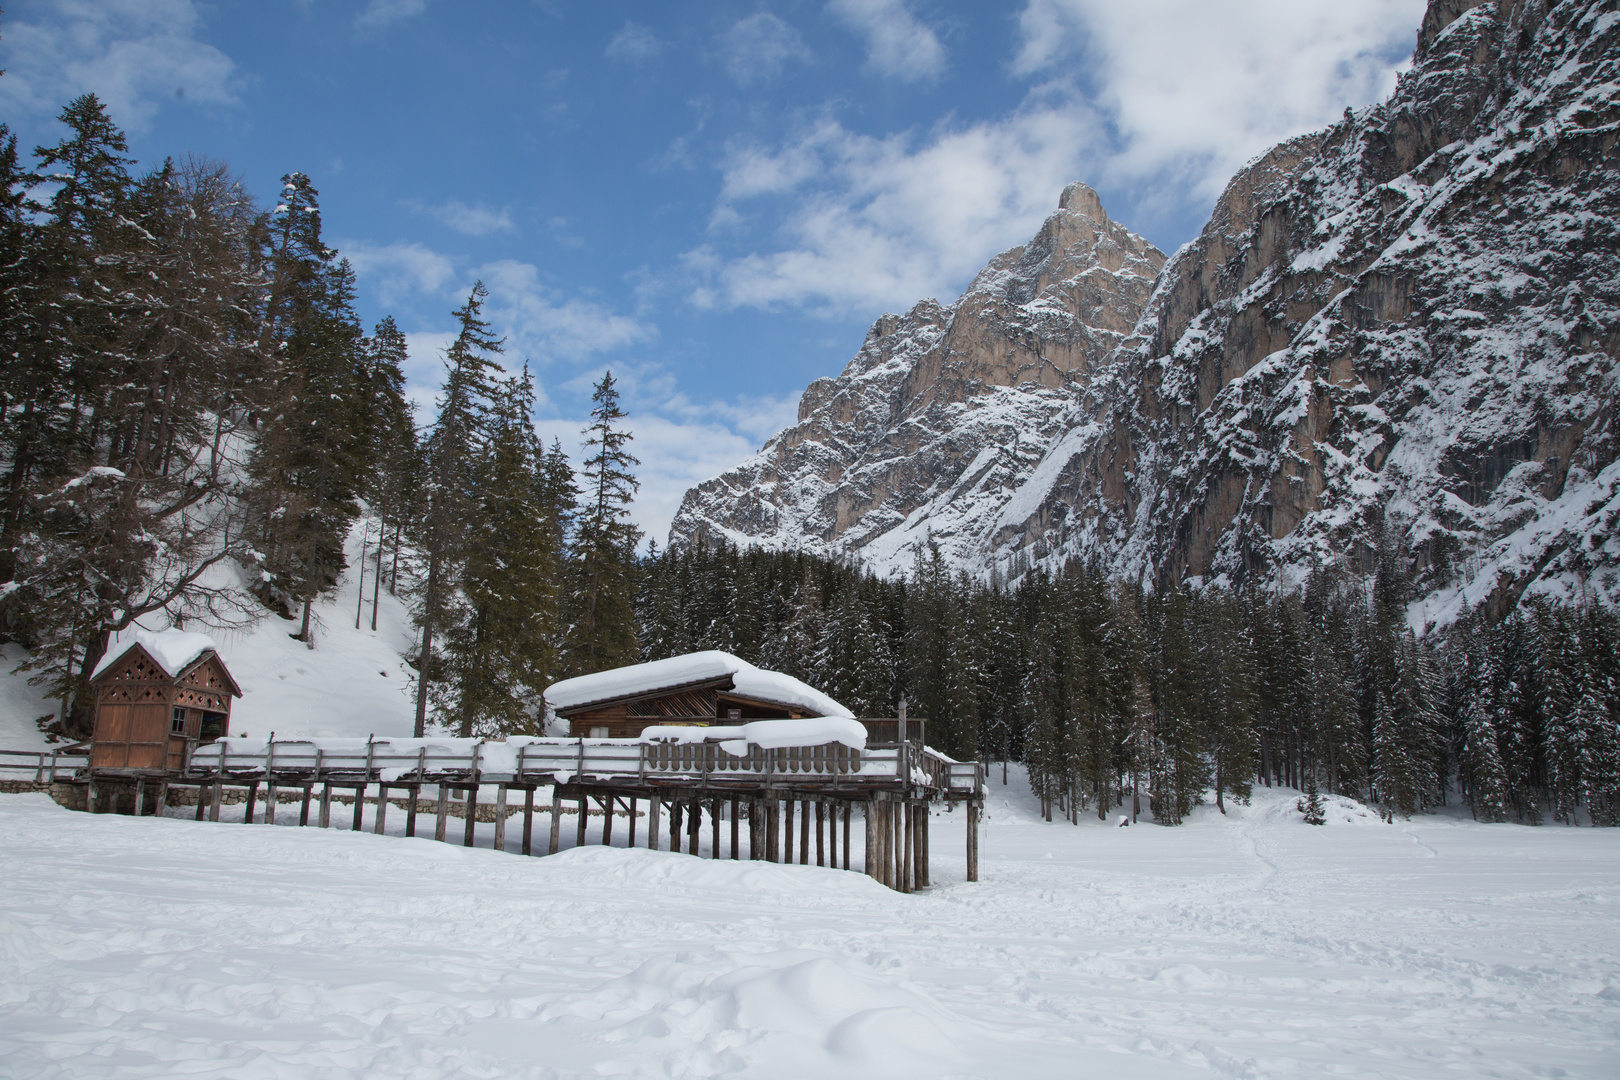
[[131, 736]]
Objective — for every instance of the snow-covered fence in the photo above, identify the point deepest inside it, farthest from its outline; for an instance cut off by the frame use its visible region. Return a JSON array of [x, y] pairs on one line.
[[43, 766], [522, 761]]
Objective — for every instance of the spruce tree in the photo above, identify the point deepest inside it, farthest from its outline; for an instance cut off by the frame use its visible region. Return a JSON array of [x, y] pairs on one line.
[[1483, 777], [602, 626], [451, 455]]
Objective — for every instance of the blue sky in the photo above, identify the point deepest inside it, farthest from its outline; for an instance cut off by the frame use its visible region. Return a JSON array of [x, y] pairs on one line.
[[713, 200]]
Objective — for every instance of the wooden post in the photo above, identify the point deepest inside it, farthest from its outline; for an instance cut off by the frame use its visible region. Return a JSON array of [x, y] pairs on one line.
[[694, 828], [584, 818], [735, 827], [787, 831], [556, 818], [528, 820], [630, 837], [271, 796], [140, 795], [714, 829], [804, 833], [303, 806], [500, 818], [675, 826], [442, 816], [909, 868], [91, 795], [847, 810], [382, 809], [201, 804], [359, 807], [924, 812], [772, 845], [410, 806], [832, 835], [655, 810], [325, 820], [607, 820], [972, 840], [472, 815], [821, 827], [253, 797], [868, 864], [902, 845]]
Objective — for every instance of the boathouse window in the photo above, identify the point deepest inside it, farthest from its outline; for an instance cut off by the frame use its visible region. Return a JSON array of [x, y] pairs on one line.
[[177, 723], [599, 731]]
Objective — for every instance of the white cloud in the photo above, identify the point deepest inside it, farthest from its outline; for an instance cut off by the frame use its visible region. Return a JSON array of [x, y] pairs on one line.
[[133, 54], [634, 44], [543, 325], [897, 43], [889, 221], [757, 48], [1161, 99], [473, 220], [382, 12], [400, 270], [1194, 88]]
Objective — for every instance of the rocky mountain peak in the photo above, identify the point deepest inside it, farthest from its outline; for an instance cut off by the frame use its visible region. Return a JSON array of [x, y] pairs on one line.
[[1406, 324]]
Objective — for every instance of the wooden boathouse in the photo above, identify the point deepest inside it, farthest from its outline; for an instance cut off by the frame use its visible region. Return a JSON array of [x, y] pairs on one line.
[[156, 699]]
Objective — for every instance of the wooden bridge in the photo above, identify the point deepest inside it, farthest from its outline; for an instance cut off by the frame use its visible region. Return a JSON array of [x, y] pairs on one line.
[[747, 793]]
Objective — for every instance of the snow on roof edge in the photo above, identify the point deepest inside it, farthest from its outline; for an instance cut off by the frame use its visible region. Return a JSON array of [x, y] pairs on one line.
[[173, 650], [634, 679]]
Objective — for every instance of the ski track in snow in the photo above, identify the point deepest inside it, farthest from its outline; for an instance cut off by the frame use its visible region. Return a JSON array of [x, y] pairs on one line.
[[1249, 945]]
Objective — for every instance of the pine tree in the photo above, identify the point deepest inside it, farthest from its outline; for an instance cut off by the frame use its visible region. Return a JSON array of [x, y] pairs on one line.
[[502, 651], [451, 454], [602, 630], [1310, 806], [1482, 774]]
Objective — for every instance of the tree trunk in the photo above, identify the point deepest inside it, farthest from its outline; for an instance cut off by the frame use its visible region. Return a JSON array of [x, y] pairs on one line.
[[424, 658]]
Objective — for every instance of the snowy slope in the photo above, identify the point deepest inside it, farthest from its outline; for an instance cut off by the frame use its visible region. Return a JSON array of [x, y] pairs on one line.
[[353, 683], [1250, 946]]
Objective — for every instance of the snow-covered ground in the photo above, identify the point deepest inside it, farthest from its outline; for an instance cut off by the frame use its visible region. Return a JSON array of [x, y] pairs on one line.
[[1247, 946]]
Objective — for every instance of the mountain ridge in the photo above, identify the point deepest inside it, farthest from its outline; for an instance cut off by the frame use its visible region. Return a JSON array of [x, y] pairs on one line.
[[1404, 323]]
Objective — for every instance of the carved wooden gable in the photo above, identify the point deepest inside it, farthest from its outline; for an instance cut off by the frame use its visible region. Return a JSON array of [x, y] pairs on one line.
[[206, 685], [134, 677]]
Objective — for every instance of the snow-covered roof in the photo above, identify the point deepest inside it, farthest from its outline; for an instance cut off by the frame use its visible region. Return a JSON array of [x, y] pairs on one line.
[[770, 734], [174, 650], [747, 680]]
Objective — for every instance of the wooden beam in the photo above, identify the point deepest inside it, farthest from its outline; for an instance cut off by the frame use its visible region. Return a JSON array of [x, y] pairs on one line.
[[735, 827], [326, 805], [359, 808], [410, 807], [556, 819], [655, 809], [804, 833], [303, 806], [500, 818], [821, 828], [442, 815], [584, 816], [787, 830], [253, 797], [528, 821], [847, 810], [382, 810]]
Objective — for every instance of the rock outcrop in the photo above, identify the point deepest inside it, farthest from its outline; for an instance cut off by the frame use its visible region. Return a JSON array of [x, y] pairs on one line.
[[1408, 320]]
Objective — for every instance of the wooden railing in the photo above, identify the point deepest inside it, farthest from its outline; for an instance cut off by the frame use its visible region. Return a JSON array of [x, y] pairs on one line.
[[543, 761], [43, 766]]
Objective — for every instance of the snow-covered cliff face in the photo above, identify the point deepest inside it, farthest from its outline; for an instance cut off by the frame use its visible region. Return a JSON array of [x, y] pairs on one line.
[[1414, 314], [945, 409]]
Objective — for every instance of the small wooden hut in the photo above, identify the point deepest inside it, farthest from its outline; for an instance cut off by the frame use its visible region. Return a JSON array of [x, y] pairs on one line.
[[698, 689], [160, 696]]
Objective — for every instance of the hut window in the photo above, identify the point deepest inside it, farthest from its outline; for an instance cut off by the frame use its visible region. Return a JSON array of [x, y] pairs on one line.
[[177, 725], [213, 725], [600, 731], [733, 714]]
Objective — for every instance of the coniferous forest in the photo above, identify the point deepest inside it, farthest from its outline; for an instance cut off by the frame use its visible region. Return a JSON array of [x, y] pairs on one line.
[[193, 418]]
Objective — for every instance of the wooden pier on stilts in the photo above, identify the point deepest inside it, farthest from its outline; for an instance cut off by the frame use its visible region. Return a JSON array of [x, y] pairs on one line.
[[778, 804]]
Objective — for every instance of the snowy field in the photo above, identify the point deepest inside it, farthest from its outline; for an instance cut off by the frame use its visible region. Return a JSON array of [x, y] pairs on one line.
[[1249, 946]]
